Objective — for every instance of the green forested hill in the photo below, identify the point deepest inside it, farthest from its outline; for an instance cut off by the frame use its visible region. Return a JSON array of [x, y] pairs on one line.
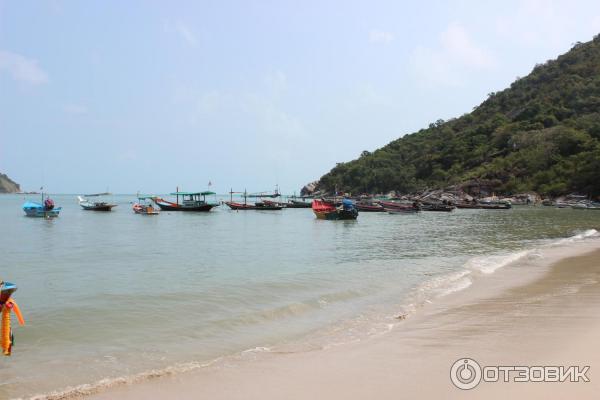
[[542, 134]]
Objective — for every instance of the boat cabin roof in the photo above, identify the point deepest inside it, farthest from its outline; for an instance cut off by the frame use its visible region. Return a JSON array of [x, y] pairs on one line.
[[191, 193], [98, 194]]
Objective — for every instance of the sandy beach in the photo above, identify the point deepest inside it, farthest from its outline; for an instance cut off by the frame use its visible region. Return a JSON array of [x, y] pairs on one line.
[[548, 316]]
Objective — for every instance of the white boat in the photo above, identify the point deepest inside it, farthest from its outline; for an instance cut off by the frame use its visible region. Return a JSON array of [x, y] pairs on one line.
[[89, 205]]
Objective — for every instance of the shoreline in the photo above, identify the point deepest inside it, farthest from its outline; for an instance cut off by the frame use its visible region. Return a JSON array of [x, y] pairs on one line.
[[530, 316]]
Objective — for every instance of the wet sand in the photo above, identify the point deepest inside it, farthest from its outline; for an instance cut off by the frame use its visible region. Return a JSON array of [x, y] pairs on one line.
[[514, 317]]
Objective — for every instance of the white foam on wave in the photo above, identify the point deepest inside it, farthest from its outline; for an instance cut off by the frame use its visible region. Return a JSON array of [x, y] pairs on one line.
[[448, 283], [489, 264], [587, 234]]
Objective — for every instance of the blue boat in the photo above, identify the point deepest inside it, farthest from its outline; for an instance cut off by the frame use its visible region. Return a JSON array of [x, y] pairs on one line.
[[46, 209]]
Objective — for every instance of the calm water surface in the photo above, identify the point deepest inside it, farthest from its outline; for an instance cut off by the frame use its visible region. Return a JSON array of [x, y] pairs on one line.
[[116, 294]]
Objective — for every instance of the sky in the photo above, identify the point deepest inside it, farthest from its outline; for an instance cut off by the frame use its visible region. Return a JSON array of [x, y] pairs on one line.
[[152, 95]]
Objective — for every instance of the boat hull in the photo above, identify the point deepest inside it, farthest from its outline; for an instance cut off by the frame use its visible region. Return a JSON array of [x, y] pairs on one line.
[[36, 210], [328, 210], [370, 208], [102, 207], [168, 206], [144, 209], [240, 206], [402, 210], [298, 204]]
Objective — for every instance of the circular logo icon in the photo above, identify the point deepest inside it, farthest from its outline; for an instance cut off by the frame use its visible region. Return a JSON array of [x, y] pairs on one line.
[[465, 373]]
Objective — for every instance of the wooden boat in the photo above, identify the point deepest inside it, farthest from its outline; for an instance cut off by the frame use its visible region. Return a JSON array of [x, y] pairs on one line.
[[437, 207], [404, 210], [484, 206], [394, 204], [369, 207], [45, 209], [191, 201], [234, 205], [266, 205], [400, 207], [327, 210], [298, 204], [144, 206], [88, 205]]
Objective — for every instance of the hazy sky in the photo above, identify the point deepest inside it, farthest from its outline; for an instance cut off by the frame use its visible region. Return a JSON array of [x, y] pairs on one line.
[[148, 95]]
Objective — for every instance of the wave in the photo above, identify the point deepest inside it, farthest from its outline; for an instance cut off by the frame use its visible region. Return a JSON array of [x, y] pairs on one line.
[[456, 281]]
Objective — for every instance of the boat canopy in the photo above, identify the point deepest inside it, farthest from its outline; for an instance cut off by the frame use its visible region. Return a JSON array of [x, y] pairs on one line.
[[98, 194], [146, 197], [191, 193]]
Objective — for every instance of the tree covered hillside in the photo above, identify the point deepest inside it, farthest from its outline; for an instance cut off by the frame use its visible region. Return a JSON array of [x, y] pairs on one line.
[[541, 134]]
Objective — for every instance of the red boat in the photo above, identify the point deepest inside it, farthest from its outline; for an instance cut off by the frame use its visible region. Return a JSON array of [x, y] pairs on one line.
[[240, 206], [369, 207], [327, 210], [266, 205]]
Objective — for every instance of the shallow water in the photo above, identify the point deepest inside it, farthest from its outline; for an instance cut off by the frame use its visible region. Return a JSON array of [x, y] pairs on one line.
[[108, 295]]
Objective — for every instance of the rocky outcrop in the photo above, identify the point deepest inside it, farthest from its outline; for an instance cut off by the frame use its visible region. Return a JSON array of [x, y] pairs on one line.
[[309, 189], [7, 185]]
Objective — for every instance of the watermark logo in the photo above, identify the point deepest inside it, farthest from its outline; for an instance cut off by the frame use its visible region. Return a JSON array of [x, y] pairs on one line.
[[466, 373]]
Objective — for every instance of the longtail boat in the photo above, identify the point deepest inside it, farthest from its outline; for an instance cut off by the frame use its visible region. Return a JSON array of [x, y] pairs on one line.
[[89, 205], [144, 206], [369, 207], [45, 209], [191, 201], [437, 207], [400, 207], [266, 205], [482, 206], [293, 203], [402, 210], [327, 210]]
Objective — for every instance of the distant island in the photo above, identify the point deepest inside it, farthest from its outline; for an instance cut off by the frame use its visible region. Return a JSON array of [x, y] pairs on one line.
[[7, 185], [542, 134]]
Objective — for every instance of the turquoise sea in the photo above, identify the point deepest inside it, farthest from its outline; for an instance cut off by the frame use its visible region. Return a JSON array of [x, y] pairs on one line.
[[112, 297]]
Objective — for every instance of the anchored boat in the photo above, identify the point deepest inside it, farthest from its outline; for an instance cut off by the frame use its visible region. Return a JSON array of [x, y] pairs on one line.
[[327, 210], [45, 209], [144, 206], [190, 201], [265, 205], [89, 205]]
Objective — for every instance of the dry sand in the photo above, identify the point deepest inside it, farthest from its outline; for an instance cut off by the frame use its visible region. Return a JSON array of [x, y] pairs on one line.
[[551, 319]]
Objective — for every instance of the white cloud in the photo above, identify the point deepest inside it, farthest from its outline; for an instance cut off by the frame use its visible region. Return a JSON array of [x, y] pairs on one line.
[[379, 36], [183, 31], [455, 56], [22, 68]]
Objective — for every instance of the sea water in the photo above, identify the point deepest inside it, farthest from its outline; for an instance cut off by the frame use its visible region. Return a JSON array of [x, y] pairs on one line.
[[118, 297]]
